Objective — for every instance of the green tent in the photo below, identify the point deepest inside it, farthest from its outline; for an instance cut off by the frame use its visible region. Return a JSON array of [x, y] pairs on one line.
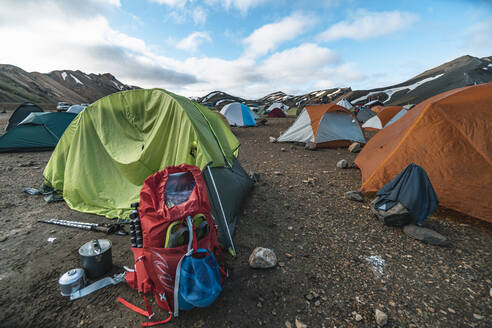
[[38, 131], [108, 151], [293, 111]]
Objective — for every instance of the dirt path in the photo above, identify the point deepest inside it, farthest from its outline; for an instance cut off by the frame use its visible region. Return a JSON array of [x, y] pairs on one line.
[[324, 244]]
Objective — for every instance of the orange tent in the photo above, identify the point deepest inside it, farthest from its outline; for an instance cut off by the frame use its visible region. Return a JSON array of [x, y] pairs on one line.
[[449, 135], [327, 125], [383, 116], [378, 108]]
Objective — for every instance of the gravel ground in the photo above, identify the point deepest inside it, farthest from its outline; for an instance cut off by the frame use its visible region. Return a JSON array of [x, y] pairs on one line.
[[337, 263]]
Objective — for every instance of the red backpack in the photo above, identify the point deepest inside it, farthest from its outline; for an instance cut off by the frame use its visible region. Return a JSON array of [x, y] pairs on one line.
[[155, 265]]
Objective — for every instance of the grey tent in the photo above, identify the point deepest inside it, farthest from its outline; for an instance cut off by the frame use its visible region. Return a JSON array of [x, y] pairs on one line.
[[364, 114], [21, 113]]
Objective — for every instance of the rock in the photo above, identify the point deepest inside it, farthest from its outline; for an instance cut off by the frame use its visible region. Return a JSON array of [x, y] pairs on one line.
[[357, 316], [381, 318], [272, 139], [277, 173], [490, 292], [283, 150], [262, 258], [310, 146], [342, 164], [355, 147], [300, 324], [4, 238], [309, 297], [288, 324], [450, 310], [355, 196], [259, 305], [392, 304], [289, 256], [317, 303], [426, 235], [478, 316], [281, 264]]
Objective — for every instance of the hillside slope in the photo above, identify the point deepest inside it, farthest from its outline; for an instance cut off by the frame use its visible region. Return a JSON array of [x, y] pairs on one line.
[[460, 72], [17, 85]]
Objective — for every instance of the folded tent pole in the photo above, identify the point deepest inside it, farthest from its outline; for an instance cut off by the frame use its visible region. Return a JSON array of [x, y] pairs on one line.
[[232, 248]]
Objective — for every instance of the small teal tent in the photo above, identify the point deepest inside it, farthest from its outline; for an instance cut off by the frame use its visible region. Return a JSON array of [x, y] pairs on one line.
[[37, 132]]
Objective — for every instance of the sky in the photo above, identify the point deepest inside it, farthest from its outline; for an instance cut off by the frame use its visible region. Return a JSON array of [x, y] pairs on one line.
[[248, 48]]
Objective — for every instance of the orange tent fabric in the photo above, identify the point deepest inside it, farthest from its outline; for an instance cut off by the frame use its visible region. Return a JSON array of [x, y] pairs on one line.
[[378, 108], [387, 113], [450, 136]]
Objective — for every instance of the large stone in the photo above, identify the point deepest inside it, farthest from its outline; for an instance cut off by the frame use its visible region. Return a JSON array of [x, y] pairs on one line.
[[426, 235], [310, 146], [381, 318], [355, 196], [262, 258], [272, 139], [355, 147], [342, 164]]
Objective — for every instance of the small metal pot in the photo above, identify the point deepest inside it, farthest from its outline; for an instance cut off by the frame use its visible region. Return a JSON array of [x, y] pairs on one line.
[[71, 281], [95, 257]]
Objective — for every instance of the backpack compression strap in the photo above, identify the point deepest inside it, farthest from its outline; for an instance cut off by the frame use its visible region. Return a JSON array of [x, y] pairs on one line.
[[144, 312]]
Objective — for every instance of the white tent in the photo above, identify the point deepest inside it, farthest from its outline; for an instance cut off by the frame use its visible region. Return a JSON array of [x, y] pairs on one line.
[[76, 109], [327, 124], [238, 114], [378, 123], [277, 105], [345, 103]]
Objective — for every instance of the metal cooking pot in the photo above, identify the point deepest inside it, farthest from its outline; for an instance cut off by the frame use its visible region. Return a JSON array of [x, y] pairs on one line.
[[95, 257], [71, 281]]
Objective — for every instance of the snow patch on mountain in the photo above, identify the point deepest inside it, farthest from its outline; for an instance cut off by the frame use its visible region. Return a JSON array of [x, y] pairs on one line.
[[76, 79], [392, 91], [64, 75]]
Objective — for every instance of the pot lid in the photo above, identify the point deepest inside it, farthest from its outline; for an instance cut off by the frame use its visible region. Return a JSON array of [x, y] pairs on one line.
[[95, 247], [71, 276]]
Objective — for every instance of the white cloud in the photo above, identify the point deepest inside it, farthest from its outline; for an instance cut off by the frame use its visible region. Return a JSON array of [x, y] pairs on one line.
[[242, 5], [115, 3], [477, 38], [298, 63], [270, 36], [199, 15], [367, 24], [45, 42], [178, 3], [193, 41]]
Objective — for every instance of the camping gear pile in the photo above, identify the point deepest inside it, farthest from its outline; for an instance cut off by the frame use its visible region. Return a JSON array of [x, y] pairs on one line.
[[175, 259]]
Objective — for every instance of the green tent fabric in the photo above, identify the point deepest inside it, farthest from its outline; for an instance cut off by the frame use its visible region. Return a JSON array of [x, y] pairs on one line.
[[111, 147], [293, 111], [37, 132]]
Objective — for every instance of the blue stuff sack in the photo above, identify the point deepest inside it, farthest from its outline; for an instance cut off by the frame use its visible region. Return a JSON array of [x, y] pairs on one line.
[[197, 282]]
